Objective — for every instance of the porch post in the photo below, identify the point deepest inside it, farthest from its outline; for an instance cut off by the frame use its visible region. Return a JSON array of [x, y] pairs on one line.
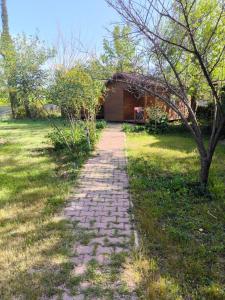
[[145, 105]]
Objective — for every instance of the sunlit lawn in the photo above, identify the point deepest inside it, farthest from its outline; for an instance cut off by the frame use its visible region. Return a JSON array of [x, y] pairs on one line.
[[34, 240], [182, 230]]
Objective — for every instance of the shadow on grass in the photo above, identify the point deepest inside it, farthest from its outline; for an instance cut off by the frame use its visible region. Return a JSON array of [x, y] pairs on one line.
[[35, 242], [181, 228], [42, 268], [169, 142]]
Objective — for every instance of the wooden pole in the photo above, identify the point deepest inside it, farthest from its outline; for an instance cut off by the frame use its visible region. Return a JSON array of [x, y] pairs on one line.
[[145, 106]]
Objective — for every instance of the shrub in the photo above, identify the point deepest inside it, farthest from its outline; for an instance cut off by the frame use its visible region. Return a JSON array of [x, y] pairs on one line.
[[133, 128], [37, 111], [20, 113], [66, 139], [205, 112], [157, 121], [101, 124], [205, 115]]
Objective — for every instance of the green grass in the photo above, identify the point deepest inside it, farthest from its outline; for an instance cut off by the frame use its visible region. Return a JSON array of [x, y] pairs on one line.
[[182, 230], [35, 241], [4, 102]]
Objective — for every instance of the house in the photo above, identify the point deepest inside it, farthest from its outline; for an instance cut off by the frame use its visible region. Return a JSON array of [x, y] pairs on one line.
[[125, 100]]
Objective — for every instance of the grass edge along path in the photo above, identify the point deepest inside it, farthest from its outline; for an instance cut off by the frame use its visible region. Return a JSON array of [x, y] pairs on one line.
[[35, 240], [182, 230]]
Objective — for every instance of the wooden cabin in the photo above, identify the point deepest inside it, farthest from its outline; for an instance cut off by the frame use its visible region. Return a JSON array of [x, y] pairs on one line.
[[125, 101]]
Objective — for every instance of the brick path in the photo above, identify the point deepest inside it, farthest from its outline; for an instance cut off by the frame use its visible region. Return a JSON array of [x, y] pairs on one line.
[[100, 206]]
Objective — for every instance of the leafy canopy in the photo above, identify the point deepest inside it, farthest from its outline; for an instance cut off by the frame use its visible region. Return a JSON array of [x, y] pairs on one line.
[[120, 54], [76, 89]]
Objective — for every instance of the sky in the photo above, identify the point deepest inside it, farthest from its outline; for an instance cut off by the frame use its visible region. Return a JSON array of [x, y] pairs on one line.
[[87, 19]]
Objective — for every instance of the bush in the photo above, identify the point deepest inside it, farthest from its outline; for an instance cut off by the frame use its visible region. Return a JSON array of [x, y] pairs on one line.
[[65, 139], [133, 128], [78, 139], [205, 112], [101, 124], [157, 120], [205, 115], [20, 113], [36, 110]]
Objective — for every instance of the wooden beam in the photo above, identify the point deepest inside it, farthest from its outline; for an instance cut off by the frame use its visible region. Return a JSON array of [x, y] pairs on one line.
[[145, 106]]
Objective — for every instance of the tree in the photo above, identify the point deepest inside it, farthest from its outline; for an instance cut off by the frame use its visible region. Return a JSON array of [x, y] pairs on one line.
[[5, 25], [186, 39], [120, 54], [77, 92], [7, 51], [29, 71]]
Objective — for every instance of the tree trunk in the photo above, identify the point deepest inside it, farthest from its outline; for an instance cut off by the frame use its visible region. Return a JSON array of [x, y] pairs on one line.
[[206, 159], [27, 108], [7, 51], [13, 103], [204, 173], [5, 24], [193, 105]]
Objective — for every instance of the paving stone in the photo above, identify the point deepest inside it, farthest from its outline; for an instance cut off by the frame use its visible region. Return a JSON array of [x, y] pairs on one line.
[[120, 249], [84, 249], [87, 258], [98, 241], [106, 232], [79, 297], [104, 250], [65, 296], [80, 270], [101, 258], [116, 240], [100, 205]]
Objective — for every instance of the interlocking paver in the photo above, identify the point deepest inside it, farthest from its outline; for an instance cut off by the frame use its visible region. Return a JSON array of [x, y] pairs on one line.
[[100, 204]]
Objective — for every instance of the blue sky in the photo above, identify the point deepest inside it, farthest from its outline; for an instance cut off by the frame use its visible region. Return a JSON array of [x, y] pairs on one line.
[[86, 18]]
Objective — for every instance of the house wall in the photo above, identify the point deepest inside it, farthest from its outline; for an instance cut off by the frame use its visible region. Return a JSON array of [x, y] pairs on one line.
[[129, 103], [113, 105], [171, 114], [119, 104]]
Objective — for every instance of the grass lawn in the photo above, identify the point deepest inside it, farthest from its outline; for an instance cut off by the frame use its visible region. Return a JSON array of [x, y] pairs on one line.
[[34, 240], [4, 102], [182, 230]]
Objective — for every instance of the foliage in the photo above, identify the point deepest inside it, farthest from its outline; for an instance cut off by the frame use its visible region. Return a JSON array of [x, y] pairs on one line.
[[205, 17], [101, 124], [181, 227], [7, 51], [205, 113], [184, 42], [36, 111], [30, 75], [76, 140], [133, 128], [157, 120], [77, 92], [120, 54], [4, 101], [25, 71]]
